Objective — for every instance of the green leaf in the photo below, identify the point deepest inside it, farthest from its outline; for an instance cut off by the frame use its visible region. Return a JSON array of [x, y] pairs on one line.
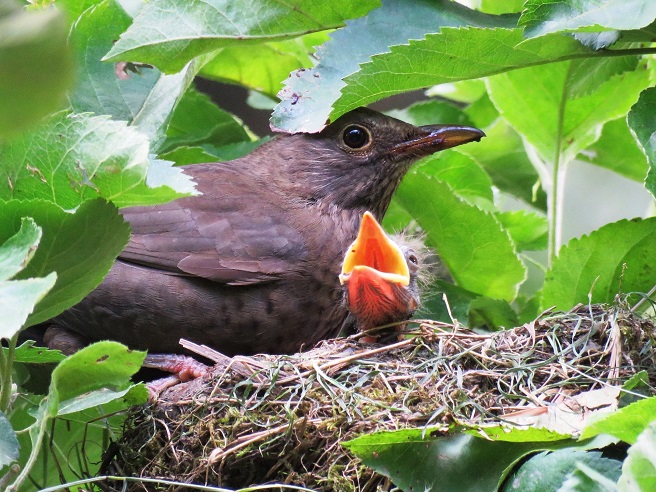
[[463, 175], [618, 151], [399, 48], [136, 394], [102, 365], [491, 314], [528, 230], [627, 423], [542, 17], [473, 245], [587, 479], [639, 469], [550, 471], [534, 100], [36, 62], [87, 156], [415, 462], [18, 250], [263, 67], [595, 263], [197, 120], [168, 34], [642, 121], [9, 447], [17, 301], [503, 156], [588, 74], [431, 113], [80, 247], [27, 353]]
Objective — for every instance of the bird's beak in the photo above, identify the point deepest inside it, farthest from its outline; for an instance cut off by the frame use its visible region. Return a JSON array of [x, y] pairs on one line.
[[434, 138], [373, 255]]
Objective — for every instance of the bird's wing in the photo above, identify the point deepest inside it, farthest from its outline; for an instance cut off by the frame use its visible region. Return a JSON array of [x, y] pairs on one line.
[[234, 233]]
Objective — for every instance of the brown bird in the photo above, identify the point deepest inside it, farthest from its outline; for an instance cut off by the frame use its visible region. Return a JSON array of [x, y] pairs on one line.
[[380, 278], [252, 264]]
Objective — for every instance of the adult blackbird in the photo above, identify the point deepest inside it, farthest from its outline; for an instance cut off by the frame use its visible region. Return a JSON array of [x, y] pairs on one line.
[[379, 277], [252, 264]]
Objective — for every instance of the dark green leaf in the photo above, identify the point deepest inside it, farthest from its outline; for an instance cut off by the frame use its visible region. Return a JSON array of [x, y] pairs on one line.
[[549, 471], [587, 479], [642, 121], [473, 245], [491, 314], [80, 247], [37, 67], [619, 257], [9, 447], [542, 17], [168, 34]]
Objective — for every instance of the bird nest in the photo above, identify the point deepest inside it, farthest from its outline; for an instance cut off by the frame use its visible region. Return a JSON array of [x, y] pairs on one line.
[[283, 418]]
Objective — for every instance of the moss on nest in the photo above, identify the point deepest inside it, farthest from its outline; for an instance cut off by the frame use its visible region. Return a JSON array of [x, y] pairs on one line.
[[282, 419]]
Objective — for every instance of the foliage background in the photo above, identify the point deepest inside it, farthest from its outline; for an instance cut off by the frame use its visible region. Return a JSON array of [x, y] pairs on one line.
[[99, 109]]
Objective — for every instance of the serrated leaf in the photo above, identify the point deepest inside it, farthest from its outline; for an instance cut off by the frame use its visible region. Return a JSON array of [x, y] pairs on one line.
[[627, 423], [102, 365], [36, 62], [549, 471], [400, 49], [17, 251], [595, 263], [80, 247], [27, 353], [618, 150], [642, 121], [473, 245], [168, 34], [9, 447], [588, 74], [87, 156], [542, 17], [534, 100], [263, 67]]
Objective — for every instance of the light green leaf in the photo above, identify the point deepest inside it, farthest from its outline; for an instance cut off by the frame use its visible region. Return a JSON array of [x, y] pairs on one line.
[[102, 365], [87, 156], [534, 100], [431, 113], [263, 67], [168, 34], [36, 62], [135, 393], [17, 300], [9, 447], [80, 247], [542, 17], [627, 423], [618, 150], [473, 245], [642, 121], [595, 263], [639, 469], [528, 230], [27, 353], [18, 250]]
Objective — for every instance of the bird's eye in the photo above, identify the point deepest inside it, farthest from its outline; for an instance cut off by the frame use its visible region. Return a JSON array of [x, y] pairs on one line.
[[413, 259], [356, 137]]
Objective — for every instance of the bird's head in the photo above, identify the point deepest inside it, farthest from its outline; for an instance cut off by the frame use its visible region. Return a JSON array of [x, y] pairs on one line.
[[358, 160]]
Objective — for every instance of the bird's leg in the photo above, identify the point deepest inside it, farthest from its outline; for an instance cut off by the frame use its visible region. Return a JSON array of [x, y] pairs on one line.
[[182, 367]]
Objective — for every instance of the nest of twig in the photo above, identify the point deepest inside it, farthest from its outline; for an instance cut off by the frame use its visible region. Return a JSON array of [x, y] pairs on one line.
[[283, 418]]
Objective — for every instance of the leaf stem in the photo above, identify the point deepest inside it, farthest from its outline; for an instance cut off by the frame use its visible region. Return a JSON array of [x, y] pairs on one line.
[[6, 367]]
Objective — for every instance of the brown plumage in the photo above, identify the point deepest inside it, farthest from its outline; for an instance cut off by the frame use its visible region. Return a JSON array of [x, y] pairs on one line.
[[252, 264]]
